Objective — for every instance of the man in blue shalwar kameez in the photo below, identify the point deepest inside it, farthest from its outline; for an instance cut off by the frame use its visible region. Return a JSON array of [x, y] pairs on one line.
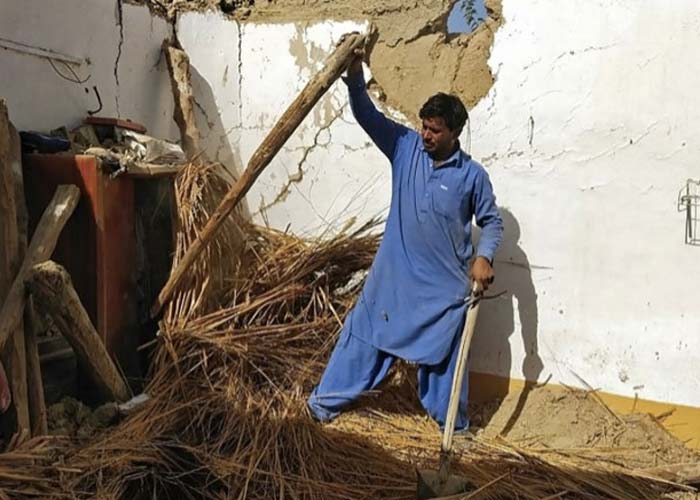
[[413, 302]]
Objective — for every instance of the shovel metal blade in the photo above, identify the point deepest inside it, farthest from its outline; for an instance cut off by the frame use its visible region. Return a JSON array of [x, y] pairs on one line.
[[431, 485]]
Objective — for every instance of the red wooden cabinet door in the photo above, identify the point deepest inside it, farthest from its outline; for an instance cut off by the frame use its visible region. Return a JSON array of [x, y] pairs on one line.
[[97, 246]]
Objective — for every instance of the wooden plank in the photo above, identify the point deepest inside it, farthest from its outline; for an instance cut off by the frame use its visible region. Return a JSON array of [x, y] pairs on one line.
[[115, 122], [35, 385], [262, 157], [8, 211], [117, 315], [54, 294], [150, 170], [43, 243], [13, 243], [21, 370], [183, 114]]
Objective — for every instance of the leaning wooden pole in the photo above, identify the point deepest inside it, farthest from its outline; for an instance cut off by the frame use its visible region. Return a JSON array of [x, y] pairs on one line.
[[35, 384], [40, 249], [262, 157], [179, 69], [54, 295], [13, 245]]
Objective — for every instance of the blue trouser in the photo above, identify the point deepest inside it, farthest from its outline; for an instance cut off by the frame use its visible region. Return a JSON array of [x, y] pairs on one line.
[[356, 367]]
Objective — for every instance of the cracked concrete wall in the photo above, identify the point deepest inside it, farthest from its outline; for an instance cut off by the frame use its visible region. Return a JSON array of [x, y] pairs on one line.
[[129, 73]]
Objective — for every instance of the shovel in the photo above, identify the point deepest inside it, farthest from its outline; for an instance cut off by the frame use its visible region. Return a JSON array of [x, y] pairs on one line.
[[440, 483]]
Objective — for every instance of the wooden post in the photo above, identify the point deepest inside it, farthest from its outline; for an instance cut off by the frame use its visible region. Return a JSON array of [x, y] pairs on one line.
[[262, 157], [179, 68], [12, 247], [53, 291], [43, 243], [37, 405]]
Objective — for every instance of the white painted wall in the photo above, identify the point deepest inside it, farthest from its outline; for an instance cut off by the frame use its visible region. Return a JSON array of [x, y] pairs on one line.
[[612, 89], [39, 99], [600, 284], [251, 79]]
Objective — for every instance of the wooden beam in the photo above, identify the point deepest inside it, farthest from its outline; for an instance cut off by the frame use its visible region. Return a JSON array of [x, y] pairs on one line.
[[35, 385], [13, 245], [262, 157], [183, 114], [43, 243], [8, 210], [53, 291]]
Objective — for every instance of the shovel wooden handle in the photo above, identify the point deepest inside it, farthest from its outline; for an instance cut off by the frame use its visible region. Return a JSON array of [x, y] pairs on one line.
[[458, 377]]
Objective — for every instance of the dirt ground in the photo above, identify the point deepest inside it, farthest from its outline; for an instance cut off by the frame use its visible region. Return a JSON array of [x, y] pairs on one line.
[[567, 420]]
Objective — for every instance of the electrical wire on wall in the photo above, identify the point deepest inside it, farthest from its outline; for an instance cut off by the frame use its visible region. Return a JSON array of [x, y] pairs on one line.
[[72, 77], [61, 64]]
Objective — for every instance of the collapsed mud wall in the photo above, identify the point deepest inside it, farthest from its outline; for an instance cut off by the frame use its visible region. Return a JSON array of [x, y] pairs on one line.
[[410, 53]]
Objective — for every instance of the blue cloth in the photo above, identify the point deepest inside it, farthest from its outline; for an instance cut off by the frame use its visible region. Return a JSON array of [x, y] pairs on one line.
[[413, 301], [356, 367]]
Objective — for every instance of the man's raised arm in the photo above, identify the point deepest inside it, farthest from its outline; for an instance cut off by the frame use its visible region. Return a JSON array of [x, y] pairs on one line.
[[383, 131]]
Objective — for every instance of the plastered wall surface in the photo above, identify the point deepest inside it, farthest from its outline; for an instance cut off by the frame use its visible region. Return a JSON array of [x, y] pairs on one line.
[[588, 133], [328, 171], [120, 47]]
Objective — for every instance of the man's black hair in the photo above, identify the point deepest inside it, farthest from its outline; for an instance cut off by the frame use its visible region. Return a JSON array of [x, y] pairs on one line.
[[448, 107]]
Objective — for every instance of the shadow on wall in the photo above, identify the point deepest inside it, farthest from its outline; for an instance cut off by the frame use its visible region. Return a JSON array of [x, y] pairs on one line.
[[498, 325], [214, 137]]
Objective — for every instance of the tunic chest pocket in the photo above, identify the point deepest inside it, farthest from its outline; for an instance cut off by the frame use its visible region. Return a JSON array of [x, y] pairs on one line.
[[447, 202]]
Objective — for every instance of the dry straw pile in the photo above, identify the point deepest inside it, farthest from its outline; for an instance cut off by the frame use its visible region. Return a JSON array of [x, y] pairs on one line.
[[240, 348]]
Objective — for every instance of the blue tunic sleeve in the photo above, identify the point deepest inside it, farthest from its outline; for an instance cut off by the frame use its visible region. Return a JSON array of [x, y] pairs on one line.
[[486, 215], [384, 132]]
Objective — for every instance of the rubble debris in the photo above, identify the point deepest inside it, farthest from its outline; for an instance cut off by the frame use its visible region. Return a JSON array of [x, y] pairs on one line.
[[53, 293], [83, 138], [70, 417], [147, 149]]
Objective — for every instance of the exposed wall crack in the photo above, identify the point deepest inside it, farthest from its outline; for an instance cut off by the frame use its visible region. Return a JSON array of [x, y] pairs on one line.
[[240, 72], [120, 23], [210, 123], [298, 176]]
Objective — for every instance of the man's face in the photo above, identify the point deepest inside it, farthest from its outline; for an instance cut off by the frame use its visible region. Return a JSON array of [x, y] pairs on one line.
[[438, 139]]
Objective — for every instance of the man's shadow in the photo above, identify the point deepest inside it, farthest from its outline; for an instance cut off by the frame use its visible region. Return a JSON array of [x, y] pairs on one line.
[[491, 350]]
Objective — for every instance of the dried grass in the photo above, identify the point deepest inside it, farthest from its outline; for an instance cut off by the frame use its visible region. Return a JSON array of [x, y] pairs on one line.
[[240, 348]]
